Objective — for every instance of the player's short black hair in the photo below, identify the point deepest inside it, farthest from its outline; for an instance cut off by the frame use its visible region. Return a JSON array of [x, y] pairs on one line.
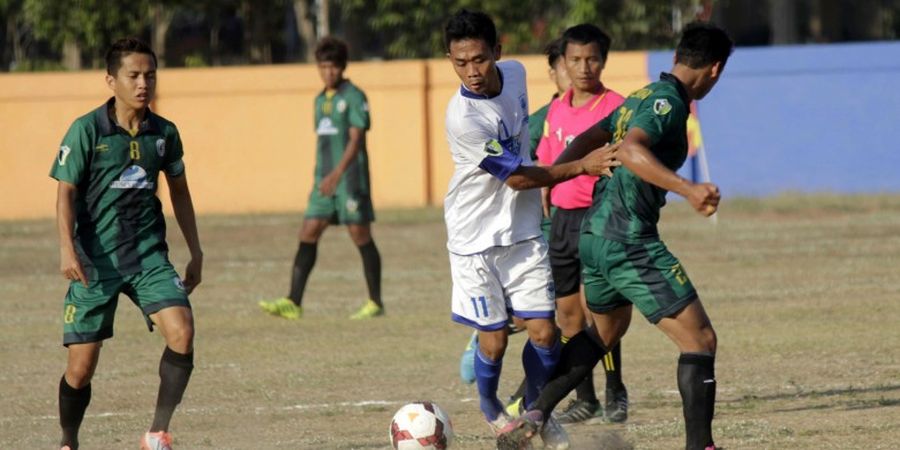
[[122, 48], [333, 50], [553, 51], [583, 34], [467, 24], [703, 44]]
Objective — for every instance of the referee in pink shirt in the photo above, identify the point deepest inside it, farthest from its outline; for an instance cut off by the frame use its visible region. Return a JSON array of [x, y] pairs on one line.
[[584, 49]]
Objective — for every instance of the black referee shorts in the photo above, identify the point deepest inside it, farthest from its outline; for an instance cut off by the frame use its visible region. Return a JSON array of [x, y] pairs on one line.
[[564, 260]]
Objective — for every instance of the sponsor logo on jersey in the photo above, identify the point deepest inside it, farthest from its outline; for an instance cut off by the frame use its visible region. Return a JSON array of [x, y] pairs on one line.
[[134, 177], [661, 107], [365, 106], [326, 127], [178, 283], [160, 147], [569, 139], [551, 290], [341, 105], [64, 151]]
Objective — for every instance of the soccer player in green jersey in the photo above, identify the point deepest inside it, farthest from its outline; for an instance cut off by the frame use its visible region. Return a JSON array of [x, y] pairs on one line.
[[112, 237], [341, 193], [624, 261]]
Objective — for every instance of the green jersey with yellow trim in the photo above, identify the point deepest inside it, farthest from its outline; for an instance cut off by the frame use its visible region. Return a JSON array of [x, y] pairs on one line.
[[626, 208], [336, 112], [119, 225]]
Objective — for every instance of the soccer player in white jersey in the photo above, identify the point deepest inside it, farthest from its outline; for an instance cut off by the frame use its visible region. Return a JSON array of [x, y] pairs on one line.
[[498, 256]]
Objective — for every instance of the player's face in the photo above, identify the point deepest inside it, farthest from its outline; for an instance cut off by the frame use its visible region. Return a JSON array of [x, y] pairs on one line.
[[560, 76], [331, 74], [584, 65], [474, 62], [135, 83]]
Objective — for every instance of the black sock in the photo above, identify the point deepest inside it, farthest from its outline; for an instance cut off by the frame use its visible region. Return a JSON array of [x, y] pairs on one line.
[[174, 373], [303, 265], [372, 268], [579, 356], [72, 404], [520, 392], [585, 390], [697, 384], [612, 364]]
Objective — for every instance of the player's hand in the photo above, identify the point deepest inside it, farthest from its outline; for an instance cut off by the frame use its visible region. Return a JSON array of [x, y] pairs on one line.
[[70, 266], [329, 183], [193, 274], [704, 197], [601, 161]]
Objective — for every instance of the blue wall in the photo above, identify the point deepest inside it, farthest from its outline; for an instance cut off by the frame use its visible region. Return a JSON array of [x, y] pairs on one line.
[[816, 118]]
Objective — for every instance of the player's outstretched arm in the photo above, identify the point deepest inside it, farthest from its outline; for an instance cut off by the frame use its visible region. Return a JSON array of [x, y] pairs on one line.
[[593, 138], [635, 155], [184, 214], [69, 265], [595, 163]]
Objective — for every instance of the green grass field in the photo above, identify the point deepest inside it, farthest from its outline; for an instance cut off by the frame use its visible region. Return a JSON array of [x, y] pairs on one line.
[[803, 292]]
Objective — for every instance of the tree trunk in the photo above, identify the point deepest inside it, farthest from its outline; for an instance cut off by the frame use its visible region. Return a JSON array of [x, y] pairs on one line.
[[256, 34], [306, 29], [783, 19], [323, 18], [71, 57], [162, 19]]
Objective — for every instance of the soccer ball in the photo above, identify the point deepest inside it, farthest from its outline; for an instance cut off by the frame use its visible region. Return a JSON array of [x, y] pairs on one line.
[[421, 425]]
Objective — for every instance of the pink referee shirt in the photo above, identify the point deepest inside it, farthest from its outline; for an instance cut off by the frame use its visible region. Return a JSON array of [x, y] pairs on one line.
[[562, 125]]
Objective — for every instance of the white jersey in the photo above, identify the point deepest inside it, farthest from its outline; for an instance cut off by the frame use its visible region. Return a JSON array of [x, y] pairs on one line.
[[488, 141]]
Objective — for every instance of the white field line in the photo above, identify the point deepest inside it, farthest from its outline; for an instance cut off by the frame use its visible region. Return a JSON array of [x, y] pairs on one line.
[[257, 410]]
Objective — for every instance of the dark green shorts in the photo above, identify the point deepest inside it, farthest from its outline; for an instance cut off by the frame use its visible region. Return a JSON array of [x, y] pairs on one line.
[[645, 275], [341, 208], [88, 312]]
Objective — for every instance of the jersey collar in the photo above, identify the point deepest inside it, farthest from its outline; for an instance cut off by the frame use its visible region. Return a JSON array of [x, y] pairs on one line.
[[682, 91], [465, 92], [109, 127]]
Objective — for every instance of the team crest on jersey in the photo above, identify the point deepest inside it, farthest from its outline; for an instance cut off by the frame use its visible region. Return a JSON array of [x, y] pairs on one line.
[[341, 105], [352, 205], [661, 107], [64, 151], [493, 148], [326, 127], [160, 147]]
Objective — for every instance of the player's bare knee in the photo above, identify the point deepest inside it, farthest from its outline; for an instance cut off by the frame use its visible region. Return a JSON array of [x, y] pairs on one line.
[[493, 349], [570, 320], [542, 333], [709, 339], [80, 373]]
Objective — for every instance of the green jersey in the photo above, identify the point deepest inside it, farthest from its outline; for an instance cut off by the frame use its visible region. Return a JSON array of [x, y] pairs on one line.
[[628, 207], [119, 225], [536, 127], [336, 113]]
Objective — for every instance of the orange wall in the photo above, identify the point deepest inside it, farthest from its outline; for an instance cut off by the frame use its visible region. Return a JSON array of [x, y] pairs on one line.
[[248, 131]]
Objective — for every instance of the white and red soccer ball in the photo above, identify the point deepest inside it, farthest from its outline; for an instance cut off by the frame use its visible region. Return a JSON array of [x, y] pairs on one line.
[[421, 425]]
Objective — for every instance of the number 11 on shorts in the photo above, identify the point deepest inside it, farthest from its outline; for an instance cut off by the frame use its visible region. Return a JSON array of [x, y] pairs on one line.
[[484, 309]]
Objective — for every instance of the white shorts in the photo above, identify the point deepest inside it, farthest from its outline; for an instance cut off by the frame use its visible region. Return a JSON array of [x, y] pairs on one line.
[[487, 286]]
